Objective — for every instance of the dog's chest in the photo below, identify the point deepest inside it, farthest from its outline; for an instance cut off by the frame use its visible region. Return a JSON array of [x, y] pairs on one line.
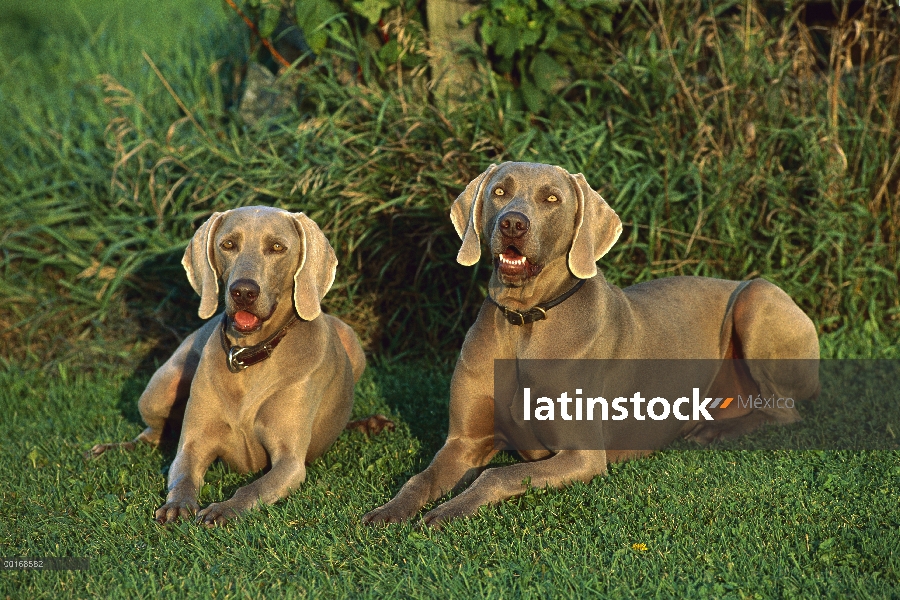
[[233, 412], [244, 452]]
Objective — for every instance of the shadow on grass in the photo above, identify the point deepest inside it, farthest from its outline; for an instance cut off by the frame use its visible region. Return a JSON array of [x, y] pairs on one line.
[[130, 394], [425, 302], [165, 308], [420, 394]]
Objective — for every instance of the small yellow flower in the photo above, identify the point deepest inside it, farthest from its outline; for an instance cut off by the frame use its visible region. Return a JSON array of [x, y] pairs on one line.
[[639, 547]]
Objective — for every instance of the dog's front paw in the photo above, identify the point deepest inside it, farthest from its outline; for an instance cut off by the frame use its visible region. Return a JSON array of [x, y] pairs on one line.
[[452, 509], [177, 509], [392, 512], [218, 513]]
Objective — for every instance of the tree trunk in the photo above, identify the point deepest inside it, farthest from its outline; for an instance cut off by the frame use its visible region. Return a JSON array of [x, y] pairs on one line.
[[453, 75]]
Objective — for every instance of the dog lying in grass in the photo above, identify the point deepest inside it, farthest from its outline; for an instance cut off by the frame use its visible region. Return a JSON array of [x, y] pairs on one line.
[[545, 230], [270, 382]]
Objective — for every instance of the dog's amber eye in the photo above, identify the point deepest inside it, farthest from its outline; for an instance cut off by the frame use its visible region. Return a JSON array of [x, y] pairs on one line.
[[227, 245], [276, 247], [499, 192], [552, 198]]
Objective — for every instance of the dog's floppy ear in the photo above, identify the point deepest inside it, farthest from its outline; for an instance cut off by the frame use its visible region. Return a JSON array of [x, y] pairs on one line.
[[597, 227], [315, 273], [199, 263], [466, 217]]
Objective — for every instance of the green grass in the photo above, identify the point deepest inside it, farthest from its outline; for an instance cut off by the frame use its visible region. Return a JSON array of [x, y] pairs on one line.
[[727, 523], [730, 145], [34, 28]]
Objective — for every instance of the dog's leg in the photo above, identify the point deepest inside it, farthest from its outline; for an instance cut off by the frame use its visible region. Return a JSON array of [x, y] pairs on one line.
[[185, 479], [287, 444], [457, 463], [286, 475], [781, 345], [286, 448], [495, 485], [468, 449], [772, 333], [162, 403]]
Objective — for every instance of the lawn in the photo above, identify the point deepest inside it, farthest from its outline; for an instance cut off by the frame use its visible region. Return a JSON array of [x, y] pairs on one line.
[[684, 522], [728, 147]]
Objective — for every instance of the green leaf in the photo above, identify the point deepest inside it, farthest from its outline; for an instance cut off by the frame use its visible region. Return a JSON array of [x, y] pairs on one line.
[[605, 23], [515, 14], [545, 71], [530, 36], [552, 34], [268, 22], [390, 52], [534, 98], [371, 9], [506, 41], [488, 31], [317, 41], [312, 17]]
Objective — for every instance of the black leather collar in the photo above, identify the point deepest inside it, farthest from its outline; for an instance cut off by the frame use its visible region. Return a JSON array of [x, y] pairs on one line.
[[239, 358], [539, 312]]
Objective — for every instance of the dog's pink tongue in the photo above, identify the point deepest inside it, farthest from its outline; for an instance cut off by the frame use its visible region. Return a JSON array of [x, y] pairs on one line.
[[245, 320]]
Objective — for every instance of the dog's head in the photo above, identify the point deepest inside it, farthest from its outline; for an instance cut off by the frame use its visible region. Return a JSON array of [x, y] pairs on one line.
[[263, 256], [534, 218]]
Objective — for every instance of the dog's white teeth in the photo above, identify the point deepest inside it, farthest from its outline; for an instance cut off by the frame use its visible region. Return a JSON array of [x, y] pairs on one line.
[[517, 261]]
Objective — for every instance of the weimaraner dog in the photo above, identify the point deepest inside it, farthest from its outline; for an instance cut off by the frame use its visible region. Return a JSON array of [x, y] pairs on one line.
[[270, 383], [545, 229]]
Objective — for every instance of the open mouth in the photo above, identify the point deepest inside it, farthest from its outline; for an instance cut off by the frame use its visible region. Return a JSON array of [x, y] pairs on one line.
[[245, 321], [512, 263]]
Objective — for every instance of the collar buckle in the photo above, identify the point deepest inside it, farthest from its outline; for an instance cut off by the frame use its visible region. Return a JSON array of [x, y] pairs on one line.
[[238, 358], [234, 359], [518, 318], [513, 316]]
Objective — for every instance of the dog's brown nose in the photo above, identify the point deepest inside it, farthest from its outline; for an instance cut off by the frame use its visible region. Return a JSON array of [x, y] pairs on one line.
[[514, 224], [244, 292]]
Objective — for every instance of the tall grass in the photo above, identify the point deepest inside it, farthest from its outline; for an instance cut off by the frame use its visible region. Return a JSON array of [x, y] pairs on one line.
[[732, 141], [61, 227]]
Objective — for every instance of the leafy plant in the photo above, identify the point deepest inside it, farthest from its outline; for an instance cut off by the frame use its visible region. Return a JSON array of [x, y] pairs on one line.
[[538, 44], [314, 18], [320, 20]]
